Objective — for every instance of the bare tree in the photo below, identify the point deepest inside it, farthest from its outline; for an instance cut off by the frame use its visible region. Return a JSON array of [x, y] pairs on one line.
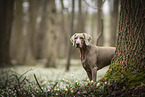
[[93, 26], [114, 21], [42, 38], [71, 33], [100, 39], [61, 43], [52, 50], [17, 41], [29, 58], [100, 34], [33, 10], [6, 19], [81, 18]]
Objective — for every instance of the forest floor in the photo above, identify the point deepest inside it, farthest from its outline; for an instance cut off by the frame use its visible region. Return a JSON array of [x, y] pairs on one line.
[[32, 81]]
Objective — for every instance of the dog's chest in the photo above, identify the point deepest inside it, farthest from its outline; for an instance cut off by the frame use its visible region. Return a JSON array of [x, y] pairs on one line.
[[86, 65], [88, 62], [88, 57]]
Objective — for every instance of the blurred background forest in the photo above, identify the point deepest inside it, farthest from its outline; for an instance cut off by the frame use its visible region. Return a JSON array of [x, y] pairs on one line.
[[40, 30]]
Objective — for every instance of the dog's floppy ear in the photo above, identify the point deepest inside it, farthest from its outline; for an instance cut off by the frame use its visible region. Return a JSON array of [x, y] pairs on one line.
[[72, 39], [87, 38]]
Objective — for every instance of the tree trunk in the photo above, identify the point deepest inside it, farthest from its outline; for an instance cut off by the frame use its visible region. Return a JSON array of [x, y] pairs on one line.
[[42, 38], [131, 39], [129, 60], [114, 22], [71, 33], [33, 9], [19, 46], [62, 33], [92, 28], [6, 19], [29, 58], [99, 22], [81, 20], [52, 50]]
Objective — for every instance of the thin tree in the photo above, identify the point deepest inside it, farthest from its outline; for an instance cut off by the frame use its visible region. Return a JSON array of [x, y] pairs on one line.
[[71, 33], [114, 21], [52, 43], [100, 38], [81, 18], [62, 35]]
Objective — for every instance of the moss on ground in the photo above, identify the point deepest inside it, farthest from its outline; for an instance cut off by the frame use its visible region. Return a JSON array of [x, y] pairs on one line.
[[130, 72]]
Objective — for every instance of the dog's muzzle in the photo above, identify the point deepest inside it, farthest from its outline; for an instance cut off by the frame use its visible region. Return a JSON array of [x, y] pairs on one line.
[[77, 45]]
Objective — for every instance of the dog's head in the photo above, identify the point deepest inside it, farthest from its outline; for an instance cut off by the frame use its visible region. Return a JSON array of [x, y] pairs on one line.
[[78, 39]]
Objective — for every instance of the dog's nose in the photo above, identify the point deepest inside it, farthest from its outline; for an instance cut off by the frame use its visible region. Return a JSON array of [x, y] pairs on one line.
[[77, 44]]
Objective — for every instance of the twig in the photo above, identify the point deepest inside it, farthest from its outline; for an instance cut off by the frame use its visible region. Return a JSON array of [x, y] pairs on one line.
[[38, 83]]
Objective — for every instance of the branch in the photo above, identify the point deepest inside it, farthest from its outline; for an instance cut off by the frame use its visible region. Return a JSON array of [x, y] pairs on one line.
[[101, 32], [93, 6]]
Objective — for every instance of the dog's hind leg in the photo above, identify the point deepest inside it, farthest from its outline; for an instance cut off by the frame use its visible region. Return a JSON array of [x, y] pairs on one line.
[[94, 74]]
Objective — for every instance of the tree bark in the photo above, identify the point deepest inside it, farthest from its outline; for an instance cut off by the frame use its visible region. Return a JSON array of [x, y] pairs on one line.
[[131, 39], [6, 19], [129, 61]]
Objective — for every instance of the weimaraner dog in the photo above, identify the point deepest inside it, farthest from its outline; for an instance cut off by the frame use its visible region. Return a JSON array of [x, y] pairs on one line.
[[93, 57]]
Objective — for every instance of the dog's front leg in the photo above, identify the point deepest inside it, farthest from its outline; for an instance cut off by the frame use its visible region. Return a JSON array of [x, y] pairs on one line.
[[94, 74]]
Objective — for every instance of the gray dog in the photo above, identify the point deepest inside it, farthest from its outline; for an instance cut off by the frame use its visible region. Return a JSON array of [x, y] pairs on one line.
[[93, 57]]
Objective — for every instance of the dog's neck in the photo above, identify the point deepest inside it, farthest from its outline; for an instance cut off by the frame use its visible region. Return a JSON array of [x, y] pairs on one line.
[[84, 50]]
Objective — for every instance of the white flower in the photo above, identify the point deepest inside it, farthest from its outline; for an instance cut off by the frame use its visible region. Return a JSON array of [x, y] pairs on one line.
[[48, 90], [98, 84], [88, 79], [72, 75]]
